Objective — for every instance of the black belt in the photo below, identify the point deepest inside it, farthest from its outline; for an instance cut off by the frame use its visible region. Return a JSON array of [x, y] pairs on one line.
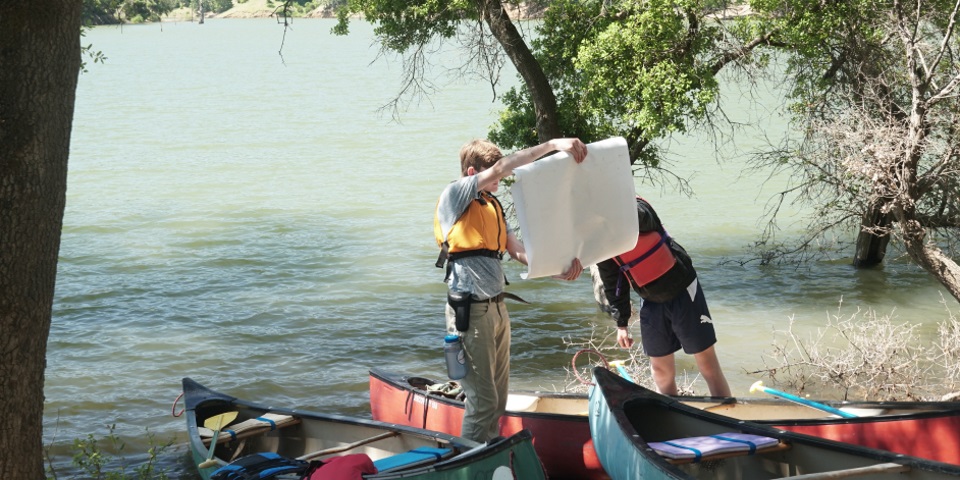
[[501, 297]]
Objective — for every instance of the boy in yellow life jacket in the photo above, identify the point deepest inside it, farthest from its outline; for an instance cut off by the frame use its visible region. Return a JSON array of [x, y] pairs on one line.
[[470, 227], [674, 313]]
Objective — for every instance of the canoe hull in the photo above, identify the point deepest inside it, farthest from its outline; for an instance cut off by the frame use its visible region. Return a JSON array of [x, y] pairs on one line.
[[562, 441], [621, 458], [324, 436], [921, 429], [626, 418]]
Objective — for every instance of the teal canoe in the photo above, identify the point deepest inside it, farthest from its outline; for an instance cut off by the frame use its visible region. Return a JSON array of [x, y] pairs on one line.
[[256, 431], [642, 435]]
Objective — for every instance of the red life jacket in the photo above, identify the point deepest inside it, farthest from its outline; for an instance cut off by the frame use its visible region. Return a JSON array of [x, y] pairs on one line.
[[648, 260]]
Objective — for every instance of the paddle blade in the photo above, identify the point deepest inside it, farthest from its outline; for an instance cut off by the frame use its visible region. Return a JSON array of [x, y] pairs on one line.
[[216, 422]]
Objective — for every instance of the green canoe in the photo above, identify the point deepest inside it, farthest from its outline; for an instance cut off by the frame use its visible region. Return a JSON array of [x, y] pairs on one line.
[[257, 431], [642, 435]]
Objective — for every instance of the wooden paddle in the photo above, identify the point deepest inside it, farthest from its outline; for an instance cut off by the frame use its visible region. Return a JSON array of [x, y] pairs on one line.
[[215, 423], [351, 446]]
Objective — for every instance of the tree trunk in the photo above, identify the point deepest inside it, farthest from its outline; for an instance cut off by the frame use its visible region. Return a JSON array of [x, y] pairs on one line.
[[200, 3], [871, 246], [541, 93], [39, 65], [930, 257]]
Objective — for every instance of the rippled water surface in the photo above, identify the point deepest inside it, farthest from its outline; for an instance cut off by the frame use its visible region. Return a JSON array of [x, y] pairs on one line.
[[252, 221]]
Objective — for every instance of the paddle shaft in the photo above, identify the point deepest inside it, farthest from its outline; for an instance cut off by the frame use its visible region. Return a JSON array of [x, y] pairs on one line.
[[622, 370], [209, 462], [804, 401], [219, 421]]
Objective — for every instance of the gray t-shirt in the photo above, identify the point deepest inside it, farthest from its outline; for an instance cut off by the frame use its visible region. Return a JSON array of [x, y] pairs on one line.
[[477, 275]]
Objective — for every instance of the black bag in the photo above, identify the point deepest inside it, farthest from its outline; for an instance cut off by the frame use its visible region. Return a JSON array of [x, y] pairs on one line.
[[260, 466], [460, 302]]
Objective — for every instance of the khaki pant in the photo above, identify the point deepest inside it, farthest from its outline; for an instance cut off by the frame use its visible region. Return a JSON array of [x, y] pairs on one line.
[[487, 347]]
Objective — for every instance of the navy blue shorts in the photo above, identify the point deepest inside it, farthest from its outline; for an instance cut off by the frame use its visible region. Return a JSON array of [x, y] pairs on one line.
[[683, 322]]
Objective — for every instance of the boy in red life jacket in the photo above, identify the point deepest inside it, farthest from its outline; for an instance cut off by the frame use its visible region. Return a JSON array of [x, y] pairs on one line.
[[674, 314], [469, 226]]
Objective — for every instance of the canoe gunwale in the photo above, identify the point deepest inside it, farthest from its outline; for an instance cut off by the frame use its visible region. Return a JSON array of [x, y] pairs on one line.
[[402, 382], [227, 401]]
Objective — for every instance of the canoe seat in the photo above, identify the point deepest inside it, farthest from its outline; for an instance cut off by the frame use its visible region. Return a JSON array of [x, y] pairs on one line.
[[416, 457], [715, 447], [522, 403], [253, 426], [855, 472]]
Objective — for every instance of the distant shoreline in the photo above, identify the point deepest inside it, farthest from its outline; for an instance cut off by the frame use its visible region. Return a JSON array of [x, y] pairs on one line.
[[242, 11], [260, 9]]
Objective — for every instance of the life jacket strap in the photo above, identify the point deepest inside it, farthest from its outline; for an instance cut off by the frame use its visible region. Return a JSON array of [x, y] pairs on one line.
[[446, 256], [444, 252], [475, 253]]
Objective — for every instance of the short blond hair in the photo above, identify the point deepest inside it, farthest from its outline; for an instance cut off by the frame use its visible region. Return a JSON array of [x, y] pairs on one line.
[[479, 154]]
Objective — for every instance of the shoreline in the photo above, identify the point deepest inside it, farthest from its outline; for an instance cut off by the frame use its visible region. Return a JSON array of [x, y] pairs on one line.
[[242, 11], [260, 9]]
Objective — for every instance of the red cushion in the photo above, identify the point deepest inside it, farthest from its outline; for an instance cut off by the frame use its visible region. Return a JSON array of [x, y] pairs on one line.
[[346, 467]]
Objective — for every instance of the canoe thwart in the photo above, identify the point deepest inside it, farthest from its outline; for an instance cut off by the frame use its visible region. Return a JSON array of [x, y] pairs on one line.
[[250, 427], [854, 472]]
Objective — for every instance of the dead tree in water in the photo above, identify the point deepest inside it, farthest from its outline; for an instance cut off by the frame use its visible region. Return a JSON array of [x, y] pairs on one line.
[[873, 238], [879, 155]]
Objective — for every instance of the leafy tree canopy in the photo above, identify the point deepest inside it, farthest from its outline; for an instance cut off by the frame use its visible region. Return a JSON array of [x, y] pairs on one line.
[[641, 70], [631, 69]]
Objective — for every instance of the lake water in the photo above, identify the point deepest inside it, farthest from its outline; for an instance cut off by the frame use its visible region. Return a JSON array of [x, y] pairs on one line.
[[252, 221]]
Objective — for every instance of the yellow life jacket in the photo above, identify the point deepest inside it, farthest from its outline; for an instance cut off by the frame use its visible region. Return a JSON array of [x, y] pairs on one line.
[[480, 230]]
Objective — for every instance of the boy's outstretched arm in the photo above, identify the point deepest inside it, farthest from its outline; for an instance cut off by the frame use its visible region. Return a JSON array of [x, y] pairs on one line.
[[505, 166]]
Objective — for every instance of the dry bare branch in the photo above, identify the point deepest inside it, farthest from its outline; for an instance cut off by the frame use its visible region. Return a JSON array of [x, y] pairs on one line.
[[866, 356]]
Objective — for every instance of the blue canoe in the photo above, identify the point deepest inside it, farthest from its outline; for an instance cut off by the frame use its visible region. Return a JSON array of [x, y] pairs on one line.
[[640, 434], [395, 451]]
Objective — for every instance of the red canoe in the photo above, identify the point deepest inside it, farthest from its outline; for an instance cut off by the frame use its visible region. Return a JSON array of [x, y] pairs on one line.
[[561, 432], [561, 436]]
